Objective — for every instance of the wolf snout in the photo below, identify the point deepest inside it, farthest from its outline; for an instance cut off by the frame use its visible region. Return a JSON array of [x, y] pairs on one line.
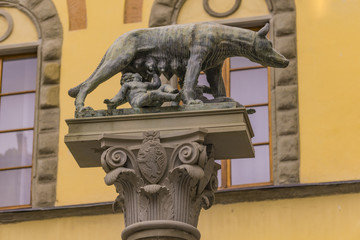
[[285, 64]]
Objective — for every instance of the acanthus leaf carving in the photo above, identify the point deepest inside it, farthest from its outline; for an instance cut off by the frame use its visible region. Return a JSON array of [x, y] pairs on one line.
[[119, 202], [113, 175], [167, 202], [154, 194], [144, 204], [208, 166], [153, 186], [207, 199], [193, 171]]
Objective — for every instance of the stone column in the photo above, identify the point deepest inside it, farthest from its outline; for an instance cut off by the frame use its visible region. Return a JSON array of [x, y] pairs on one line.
[[162, 187], [161, 164]]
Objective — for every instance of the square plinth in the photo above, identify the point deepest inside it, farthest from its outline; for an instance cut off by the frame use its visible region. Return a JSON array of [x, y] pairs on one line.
[[224, 125]]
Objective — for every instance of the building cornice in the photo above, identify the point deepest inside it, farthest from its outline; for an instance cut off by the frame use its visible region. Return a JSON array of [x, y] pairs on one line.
[[228, 196]]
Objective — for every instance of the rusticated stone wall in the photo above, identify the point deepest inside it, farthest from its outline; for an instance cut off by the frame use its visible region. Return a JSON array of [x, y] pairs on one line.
[[285, 95]]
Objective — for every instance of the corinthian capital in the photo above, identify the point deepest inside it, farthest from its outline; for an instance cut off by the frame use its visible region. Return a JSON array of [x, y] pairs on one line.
[[162, 181]]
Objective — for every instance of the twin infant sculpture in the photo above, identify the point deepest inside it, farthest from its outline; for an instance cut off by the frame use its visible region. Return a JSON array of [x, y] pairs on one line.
[[183, 50], [142, 94]]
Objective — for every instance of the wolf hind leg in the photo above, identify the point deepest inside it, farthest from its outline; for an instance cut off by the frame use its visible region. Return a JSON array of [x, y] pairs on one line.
[[215, 79], [191, 77]]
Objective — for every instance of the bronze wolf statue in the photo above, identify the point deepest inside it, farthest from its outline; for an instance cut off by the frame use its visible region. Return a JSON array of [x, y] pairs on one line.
[[182, 50]]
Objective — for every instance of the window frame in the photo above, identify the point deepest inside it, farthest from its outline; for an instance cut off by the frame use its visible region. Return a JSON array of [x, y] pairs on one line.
[[226, 163], [29, 54]]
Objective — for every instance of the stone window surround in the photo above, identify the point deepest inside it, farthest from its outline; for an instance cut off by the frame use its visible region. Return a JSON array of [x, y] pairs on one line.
[[47, 113], [284, 87]]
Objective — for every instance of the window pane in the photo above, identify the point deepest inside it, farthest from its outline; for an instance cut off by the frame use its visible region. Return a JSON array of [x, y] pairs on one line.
[[203, 82], [219, 173], [16, 149], [260, 124], [15, 187], [19, 75], [249, 86], [240, 62], [252, 170], [17, 111]]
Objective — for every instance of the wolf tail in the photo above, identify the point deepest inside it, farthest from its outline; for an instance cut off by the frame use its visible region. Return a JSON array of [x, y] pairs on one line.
[[73, 92]]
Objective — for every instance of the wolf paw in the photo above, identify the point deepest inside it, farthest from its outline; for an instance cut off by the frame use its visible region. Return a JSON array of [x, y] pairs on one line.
[[84, 109], [194, 101], [110, 104], [107, 101]]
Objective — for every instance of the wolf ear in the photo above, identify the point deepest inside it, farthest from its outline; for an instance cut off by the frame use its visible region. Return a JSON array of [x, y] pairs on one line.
[[263, 31]]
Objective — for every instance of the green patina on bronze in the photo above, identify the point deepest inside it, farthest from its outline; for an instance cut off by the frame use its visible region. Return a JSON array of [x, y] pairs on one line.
[[184, 51]]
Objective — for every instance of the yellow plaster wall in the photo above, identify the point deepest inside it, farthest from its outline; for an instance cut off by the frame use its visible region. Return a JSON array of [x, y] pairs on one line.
[[332, 218], [329, 126], [71, 228], [193, 11], [329, 63], [81, 53], [24, 29]]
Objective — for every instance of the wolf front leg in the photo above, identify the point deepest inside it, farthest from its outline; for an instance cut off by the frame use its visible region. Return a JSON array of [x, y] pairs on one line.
[[191, 79], [100, 76], [111, 65], [215, 79]]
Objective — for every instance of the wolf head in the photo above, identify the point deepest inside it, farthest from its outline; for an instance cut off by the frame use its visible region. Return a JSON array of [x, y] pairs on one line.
[[264, 53]]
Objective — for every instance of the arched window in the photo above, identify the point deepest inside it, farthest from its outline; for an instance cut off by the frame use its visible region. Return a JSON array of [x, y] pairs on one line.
[[30, 51]]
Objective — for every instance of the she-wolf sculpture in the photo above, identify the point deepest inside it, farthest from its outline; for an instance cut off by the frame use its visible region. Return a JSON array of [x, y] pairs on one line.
[[183, 50]]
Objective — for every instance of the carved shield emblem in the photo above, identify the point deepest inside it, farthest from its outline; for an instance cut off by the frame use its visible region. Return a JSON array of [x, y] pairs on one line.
[[152, 158]]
